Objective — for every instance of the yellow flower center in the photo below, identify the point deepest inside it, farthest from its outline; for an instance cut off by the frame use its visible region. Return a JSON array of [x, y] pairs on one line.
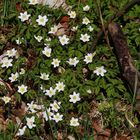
[[88, 58], [74, 97], [42, 20], [22, 89]]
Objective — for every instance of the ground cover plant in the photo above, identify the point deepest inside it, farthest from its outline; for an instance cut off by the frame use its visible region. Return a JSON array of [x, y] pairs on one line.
[[53, 83]]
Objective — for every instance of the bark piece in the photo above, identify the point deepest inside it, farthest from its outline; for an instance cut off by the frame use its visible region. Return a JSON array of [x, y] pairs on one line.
[[55, 4], [129, 72]]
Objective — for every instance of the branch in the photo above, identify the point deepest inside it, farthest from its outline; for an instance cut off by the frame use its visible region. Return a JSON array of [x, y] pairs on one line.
[[120, 13], [130, 73]]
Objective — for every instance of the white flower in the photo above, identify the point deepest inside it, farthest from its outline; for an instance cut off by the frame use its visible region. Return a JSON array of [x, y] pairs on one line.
[[47, 44], [51, 92], [70, 137], [89, 91], [22, 89], [42, 88], [47, 115], [57, 117], [11, 53], [18, 41], [33, 2], [42, 20], [22, 71], [72, 14], [30, 122], [86, 8], [21, 131], [44, 76], [100, 71], [90, 28], [24, 16], [74, 29], [60, 86], [14, 77], [73, 61], [48, 39], [86, 21], [6, 99], [74, 97], [88, 58], [6, 62], [55, 63], [47, 51], [63, 39], [74, 122], [61, 70], [53, 30], [38, 38], [55, 106], [84, 37], [32, 107]]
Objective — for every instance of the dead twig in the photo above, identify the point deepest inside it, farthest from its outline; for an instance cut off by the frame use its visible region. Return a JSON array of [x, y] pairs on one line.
[[102, 22]]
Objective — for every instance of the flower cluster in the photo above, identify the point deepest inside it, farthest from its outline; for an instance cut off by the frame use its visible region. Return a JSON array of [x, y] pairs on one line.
[[48, 85]]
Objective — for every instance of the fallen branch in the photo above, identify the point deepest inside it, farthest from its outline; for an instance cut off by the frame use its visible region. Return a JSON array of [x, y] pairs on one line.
[[120, 13], [129, 72]]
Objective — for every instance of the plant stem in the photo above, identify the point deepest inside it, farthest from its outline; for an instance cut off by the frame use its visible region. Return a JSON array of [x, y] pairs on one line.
[[102, 22]]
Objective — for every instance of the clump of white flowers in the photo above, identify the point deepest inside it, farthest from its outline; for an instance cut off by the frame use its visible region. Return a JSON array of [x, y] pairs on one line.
[[6, 99], [47, 51], [55, 62], [6, 62], [48, 114], [50, 92], [42, 20], [21, 131], [53, 30], [88, 58], [33, 2], [85, 37], [38, 38], [52, 85], [14, 77], [60, 86], [55, 106], [72, 14], [86, 21], [22, 89], [100, 71], [75, 97], [57, 117], [24, 16], [74, 122], [86, 8], [64, 40], [30, 122], [11, 53], [73, 61], [44, 76]]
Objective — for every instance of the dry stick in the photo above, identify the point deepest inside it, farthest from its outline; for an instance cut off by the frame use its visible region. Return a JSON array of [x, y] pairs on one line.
[[126, 8], [103, 26], [129, 72]]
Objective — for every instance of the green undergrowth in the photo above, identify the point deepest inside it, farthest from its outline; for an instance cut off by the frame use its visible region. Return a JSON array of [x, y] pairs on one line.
[[31, 76]]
